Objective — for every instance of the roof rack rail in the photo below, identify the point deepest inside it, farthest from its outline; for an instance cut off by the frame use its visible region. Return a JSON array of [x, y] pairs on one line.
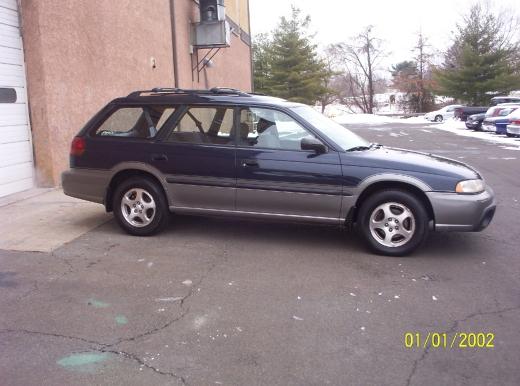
[[170, 90]]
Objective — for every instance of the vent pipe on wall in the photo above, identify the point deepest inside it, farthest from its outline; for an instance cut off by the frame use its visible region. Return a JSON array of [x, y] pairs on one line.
[[212, 11]]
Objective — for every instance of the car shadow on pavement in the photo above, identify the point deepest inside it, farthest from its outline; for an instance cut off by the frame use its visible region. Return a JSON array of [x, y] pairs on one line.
[[301, 235]]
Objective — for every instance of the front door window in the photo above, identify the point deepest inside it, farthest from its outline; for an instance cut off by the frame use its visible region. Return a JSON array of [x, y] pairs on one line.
[[270, 129]]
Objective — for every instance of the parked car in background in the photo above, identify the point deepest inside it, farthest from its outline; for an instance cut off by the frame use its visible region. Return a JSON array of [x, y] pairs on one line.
[[442, 114], [513, 126], [463, 112], [474, 122], [504, 99], [498, 123], [226, 152]]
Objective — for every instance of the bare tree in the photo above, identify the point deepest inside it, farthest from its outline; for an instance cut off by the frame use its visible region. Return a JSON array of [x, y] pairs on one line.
[[359, 59], [422, 58]]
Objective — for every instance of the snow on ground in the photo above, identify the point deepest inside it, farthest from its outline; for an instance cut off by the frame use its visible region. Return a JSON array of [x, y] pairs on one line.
[[341, 115], [366, 119], [459, 128]]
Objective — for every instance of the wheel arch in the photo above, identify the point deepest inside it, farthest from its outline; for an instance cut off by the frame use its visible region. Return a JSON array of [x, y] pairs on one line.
[[413, 186], [124, 172]]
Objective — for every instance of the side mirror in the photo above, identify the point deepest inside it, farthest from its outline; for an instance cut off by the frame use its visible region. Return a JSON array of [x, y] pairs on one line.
[[311, 143]]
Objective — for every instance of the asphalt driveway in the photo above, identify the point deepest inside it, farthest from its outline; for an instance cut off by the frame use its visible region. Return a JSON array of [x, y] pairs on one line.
[[215, 301]]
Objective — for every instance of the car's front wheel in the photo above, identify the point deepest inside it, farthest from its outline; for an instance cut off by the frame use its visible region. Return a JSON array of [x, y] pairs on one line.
[[393, 222], [438, 118], [140, 207]]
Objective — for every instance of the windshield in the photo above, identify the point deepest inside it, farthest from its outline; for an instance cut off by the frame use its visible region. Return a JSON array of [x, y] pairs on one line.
[[343, 137]]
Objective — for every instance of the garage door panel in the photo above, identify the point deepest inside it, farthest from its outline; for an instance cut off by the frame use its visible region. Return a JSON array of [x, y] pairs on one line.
[[10, 4], [13, 173], [10, 134], [9, 17], [13, 114], [15, 153], [16, 159], [16, 186], [10, 37], [11, 76], [11, 56]]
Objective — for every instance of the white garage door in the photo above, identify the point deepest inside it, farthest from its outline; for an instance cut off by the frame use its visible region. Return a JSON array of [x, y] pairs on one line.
[[16, 161]]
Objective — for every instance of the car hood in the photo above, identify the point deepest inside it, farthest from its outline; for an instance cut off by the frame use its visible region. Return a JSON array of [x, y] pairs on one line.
[[477, 117], [411, 161]]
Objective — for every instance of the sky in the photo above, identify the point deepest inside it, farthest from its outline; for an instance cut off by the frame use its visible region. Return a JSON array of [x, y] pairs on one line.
[[397, 22]]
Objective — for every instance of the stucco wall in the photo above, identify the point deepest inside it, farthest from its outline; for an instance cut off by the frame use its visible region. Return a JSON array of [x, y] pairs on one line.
[[81, 54], [231, 66]]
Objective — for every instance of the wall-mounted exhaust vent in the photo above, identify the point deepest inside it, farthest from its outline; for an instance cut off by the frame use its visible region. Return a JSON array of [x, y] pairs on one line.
[[213, 29], [212, 10]]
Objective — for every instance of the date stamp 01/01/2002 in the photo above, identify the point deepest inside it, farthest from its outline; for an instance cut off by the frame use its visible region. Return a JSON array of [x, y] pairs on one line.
[[453, 340]]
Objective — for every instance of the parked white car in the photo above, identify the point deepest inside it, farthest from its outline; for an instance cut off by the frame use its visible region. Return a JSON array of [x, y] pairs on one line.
[[442, 114], [513, 128]]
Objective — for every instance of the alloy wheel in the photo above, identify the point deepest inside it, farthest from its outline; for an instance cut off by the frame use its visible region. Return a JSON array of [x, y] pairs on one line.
[[392, 224], [138, 207]]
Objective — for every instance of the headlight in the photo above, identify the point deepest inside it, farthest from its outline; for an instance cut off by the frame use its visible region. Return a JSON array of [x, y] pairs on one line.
[[470, 186]]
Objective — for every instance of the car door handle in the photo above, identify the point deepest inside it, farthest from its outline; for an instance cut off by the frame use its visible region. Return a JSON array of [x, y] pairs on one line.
[[249, 163], [159, 157]]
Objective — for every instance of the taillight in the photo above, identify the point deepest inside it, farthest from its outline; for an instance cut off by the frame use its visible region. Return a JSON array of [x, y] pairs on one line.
[[77, 147], [517, 122]]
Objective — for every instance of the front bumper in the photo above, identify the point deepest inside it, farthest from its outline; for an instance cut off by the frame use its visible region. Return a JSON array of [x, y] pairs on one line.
[[513, 129], [462, 212], [87, 184], [472, 124], [489, 127]]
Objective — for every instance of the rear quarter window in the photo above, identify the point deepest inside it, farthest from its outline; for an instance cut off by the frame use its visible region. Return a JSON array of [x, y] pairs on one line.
[[135, 122]]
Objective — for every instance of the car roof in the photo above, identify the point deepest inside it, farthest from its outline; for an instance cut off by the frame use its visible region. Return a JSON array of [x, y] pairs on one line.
[[211, 96]]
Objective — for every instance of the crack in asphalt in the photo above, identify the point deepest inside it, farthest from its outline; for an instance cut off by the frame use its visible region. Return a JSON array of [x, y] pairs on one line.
[[142, 363], [102, 347], [108, 347], [182, 302], [50, 334], [451, 330]]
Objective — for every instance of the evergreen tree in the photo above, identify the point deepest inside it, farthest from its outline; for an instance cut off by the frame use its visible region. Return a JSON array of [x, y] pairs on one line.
[[482, 61], [288, 66], [261, 63]]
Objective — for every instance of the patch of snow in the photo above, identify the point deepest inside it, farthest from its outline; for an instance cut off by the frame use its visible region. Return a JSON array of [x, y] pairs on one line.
[[187, 282], [352, 294], [297, 317], [434, 297], [459, 128]]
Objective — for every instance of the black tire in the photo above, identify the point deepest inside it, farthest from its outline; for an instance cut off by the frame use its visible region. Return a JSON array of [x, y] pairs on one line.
[[510, 135], [438, 118], [161, 213], [419, 219]]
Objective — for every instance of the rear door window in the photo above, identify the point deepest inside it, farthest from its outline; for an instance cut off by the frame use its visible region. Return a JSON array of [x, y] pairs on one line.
[[136, 122], [204, 125]]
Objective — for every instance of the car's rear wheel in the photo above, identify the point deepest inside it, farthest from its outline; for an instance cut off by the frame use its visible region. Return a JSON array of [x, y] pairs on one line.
[[438, 118], [140, 207], [393, 222]]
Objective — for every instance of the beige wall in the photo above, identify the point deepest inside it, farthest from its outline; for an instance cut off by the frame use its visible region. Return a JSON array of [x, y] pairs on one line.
[[81, 54], [231, 66]]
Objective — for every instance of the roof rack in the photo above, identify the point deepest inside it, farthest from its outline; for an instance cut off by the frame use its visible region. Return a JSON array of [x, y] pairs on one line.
[[168, 90]]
